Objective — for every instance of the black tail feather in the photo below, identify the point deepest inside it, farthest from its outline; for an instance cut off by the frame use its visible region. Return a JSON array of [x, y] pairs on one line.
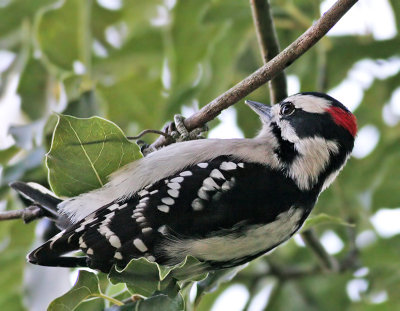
[[38, 195]]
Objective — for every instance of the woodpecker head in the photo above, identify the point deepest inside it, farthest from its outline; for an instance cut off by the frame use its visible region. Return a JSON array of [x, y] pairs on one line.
[[313, 134]]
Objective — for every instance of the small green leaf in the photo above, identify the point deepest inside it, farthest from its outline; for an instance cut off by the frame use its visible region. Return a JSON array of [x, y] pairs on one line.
[[324, 219], [7, 154], [140, 276], [84, 152], [85, 287]]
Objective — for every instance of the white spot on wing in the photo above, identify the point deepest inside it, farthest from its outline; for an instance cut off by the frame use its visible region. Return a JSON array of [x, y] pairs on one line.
[[173, 193], [118, 255], [163, 208], [140, 245], [82, 243], [209, 184], [89, 251], [141, 219], [168, 201], [228, 184], [202, 164], [147, 230], [115, 241], [197, 205], [227, 166], [215, 173], [163, 230], [142, 193], [177, 179], [202, 194], [113, 207], [186, 173], [137, 215], [174, 185]]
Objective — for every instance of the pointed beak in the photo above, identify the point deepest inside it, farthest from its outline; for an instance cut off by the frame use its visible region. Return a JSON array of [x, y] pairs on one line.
[[262, 110]]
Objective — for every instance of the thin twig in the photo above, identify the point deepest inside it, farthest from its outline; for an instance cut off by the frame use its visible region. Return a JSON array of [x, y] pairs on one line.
[[142, 133], [351, 260], [326, 261], [27, 214], [285, 273], [268, 71], [269, 46]]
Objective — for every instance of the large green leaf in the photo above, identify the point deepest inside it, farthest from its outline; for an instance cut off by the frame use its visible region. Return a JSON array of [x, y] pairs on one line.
[[32, 89], [63, 33], [86, 286], [155, 303], [145, 278], [84, 152]]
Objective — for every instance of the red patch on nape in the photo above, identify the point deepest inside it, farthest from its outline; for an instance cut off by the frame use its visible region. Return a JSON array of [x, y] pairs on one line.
[[344, 119]]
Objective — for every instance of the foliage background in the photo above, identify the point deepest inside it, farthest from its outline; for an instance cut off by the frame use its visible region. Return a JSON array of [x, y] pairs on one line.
[[140, 63]]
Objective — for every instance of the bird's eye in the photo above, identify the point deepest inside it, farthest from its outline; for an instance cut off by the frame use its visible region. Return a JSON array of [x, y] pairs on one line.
[[287, 109]]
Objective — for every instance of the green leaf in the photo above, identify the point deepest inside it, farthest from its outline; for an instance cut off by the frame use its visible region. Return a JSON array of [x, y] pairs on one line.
[[84, 152], [145, 278], [324, 219], [86, 286], [61, 33], [141, 277], [33, 89], [159, 302], [7, 154]]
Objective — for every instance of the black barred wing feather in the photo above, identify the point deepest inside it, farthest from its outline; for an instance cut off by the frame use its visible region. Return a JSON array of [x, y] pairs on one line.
[[193, 212]]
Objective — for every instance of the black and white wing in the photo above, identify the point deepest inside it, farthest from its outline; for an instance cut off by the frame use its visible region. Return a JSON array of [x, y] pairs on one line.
[[224, 211]]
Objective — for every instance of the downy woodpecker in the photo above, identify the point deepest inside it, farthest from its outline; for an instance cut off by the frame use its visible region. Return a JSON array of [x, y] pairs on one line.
[[223, 201]]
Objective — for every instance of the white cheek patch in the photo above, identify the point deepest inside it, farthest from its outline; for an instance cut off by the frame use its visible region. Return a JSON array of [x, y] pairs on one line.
[[314, 154], [287, 131]]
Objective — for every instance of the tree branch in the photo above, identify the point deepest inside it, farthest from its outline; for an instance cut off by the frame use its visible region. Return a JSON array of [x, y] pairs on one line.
[[326, 261], [269, 46], [27, 214], [269, 70]]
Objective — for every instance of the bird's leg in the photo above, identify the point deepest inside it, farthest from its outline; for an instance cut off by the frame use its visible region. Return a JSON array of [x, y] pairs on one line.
[[175, 131], [182, 134]]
